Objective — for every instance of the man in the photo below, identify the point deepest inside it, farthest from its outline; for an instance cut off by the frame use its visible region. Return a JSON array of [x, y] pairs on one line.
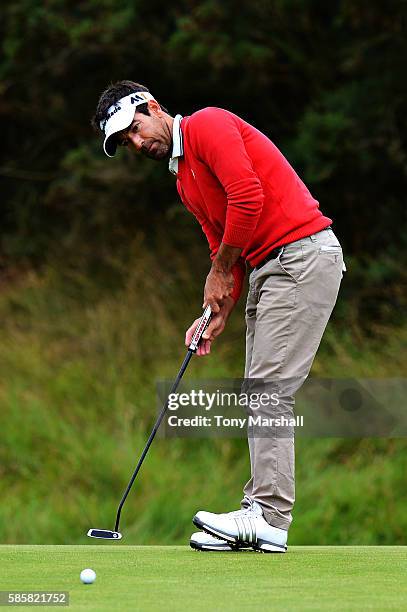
[[253, 208]]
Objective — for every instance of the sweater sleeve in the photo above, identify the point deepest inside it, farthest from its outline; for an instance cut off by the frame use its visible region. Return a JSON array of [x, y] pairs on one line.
[[216, 138], [214, 240]]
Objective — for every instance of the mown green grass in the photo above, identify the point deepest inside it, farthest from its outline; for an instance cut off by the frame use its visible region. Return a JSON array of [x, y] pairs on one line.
[[175, 577], [79, 361]]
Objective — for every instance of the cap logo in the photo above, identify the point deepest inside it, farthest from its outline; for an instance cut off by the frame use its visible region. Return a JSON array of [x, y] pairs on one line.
[[115, 110], [137, 98]]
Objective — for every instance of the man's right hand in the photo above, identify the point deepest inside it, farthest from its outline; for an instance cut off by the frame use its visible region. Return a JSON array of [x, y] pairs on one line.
[[214, 329]]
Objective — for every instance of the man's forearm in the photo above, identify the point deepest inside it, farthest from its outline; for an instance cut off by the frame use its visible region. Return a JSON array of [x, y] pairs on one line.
[[220, 280], [226, 258]]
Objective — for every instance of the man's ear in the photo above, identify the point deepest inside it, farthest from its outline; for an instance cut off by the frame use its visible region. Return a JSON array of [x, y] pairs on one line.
[[154, 107]]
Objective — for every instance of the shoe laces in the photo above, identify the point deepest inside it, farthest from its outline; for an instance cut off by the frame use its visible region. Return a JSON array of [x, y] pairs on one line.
[[252, 508]]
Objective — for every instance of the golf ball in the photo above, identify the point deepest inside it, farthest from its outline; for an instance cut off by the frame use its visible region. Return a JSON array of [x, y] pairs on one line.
[[88, 576]]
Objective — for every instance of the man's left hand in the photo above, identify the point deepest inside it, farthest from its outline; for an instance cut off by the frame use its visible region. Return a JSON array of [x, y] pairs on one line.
[[219, 285], [215, 328]]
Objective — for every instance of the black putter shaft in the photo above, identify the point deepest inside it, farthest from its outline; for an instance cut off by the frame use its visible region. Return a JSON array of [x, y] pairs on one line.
[[202, 325], [151, 438]]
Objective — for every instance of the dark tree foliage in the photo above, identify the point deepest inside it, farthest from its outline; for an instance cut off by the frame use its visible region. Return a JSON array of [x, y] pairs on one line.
[[325, 80]]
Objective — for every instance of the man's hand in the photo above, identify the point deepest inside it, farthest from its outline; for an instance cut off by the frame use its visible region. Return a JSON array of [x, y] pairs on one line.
[[220, 280], [218, 286], [214, 329]]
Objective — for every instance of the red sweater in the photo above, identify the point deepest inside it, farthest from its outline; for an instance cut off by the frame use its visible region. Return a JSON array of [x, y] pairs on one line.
[[241, 189]]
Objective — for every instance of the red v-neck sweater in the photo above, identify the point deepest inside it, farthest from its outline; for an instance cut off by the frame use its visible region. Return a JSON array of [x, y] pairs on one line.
[[241, 189]]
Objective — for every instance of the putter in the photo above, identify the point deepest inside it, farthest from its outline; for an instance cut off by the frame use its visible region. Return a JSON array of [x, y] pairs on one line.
[[106, 534]]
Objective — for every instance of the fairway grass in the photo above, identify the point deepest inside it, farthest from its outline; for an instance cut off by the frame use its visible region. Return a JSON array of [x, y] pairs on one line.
[[177, 578]]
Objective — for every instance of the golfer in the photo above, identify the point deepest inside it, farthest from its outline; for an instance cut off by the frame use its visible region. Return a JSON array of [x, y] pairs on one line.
[[256, 211]]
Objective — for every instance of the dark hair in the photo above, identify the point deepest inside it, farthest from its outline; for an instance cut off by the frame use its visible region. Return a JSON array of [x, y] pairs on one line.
[[112, 94]]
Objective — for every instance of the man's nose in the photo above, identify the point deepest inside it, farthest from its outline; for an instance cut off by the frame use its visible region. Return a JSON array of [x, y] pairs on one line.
[[136, 141]]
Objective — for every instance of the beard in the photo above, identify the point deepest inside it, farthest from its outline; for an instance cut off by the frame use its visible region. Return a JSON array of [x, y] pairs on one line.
[[156, 150]]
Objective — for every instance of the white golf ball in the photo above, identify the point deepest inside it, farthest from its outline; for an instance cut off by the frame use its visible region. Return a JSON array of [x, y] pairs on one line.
[[88, 576]]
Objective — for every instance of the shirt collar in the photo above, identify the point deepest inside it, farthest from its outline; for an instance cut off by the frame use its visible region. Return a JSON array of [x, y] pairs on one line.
[[178, 145]]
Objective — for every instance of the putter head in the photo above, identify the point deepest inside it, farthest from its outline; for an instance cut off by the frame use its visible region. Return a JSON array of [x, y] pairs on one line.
[[104, 534]]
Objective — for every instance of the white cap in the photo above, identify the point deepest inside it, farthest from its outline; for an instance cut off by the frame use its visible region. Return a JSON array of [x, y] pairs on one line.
[[119, 116]]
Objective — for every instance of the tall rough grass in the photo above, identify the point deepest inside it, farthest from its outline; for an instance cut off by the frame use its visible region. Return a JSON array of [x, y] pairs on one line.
[[80, 354]]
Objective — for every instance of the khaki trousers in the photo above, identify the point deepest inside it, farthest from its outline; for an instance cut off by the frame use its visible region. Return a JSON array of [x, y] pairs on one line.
[[288, 306]]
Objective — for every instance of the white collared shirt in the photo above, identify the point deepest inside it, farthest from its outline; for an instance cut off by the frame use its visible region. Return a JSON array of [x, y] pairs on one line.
[[177, 145]]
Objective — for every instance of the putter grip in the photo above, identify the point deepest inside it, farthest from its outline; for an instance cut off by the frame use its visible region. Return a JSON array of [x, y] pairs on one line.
[[202, 325]]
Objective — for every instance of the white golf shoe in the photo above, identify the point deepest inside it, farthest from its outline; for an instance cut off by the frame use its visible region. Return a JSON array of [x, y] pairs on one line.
[[245, 527], [205, 542]]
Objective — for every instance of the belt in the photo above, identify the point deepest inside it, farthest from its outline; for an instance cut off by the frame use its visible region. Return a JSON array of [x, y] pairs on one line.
[[272, 255], [276, 252]]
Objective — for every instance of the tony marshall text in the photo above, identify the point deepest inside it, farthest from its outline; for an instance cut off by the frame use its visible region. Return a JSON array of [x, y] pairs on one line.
[[221, 421]]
